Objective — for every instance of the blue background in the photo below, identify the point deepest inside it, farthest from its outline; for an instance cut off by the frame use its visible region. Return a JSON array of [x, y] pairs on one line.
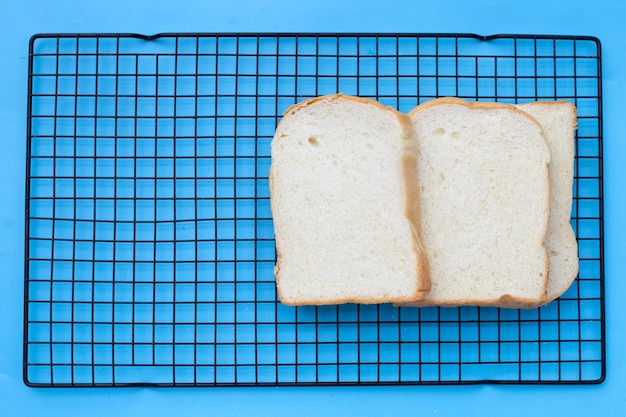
[[20, 20]]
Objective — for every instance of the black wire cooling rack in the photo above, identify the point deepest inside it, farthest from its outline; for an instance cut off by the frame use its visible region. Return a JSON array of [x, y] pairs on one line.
[[149, 237]]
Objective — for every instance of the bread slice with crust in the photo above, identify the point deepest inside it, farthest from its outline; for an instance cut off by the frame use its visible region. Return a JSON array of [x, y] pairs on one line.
[[559, 121], [485, 203], [343, 181]]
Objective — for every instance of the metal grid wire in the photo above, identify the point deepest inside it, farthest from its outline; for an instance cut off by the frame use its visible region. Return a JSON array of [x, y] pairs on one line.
[[149, 237]]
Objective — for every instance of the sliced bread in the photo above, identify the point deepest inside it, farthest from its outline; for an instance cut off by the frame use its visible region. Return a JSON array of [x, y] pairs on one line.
[[343, 184], [559, 121], [485, 203]]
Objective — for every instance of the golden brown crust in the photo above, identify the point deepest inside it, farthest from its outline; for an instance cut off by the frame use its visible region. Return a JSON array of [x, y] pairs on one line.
[[294, 108], [413, 214], [277, 274], [505, 301], [477, 105]]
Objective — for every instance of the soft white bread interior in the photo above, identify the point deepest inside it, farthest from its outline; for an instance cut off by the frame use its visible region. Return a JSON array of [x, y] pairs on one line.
[[485, 203], [343, 182], [559, 121]]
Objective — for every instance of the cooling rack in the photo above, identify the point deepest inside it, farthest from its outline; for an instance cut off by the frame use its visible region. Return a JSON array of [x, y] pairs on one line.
[[149, 237]]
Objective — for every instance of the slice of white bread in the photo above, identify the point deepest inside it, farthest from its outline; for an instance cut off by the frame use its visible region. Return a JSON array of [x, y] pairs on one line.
[[485, 203], [346, 217], [559, 121]]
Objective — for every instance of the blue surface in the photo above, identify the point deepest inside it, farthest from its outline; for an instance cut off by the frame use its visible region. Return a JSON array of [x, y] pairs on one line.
[[20, 20]]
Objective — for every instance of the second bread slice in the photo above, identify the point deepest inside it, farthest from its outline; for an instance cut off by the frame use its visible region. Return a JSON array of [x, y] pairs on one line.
[[485, 203]]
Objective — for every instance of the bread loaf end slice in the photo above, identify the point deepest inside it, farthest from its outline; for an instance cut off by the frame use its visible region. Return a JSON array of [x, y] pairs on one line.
[[559, 121]]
